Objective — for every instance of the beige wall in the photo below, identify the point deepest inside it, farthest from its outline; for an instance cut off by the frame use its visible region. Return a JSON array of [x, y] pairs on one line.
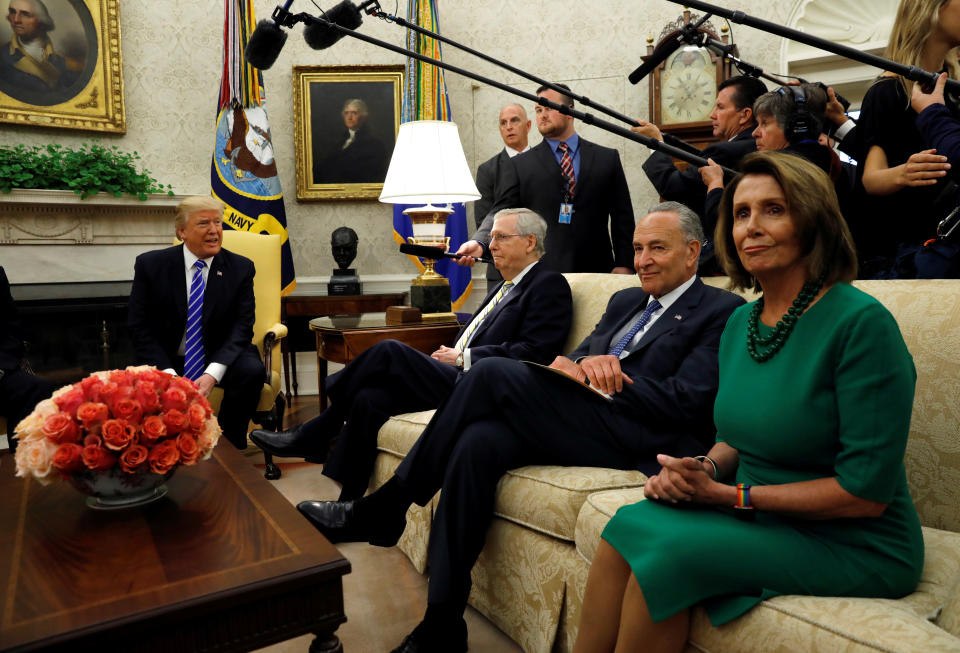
[[171, 65]]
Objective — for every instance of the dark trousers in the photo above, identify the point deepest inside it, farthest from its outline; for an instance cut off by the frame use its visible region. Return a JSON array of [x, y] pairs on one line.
[[502, 415], [242, 384], [19, 393], [387, 379]]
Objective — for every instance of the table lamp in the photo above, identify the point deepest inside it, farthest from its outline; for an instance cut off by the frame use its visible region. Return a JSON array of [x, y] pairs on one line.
[[428, 167]]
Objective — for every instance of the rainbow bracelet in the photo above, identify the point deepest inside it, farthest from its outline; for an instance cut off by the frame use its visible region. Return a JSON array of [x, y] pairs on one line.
[[743, 497]]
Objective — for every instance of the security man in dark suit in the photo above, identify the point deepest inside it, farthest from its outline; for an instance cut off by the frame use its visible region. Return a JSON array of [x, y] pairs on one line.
[[580, 190], [654, 352], [527, 317], [514, 130], [192, 311], [733, 122], [20, 391]]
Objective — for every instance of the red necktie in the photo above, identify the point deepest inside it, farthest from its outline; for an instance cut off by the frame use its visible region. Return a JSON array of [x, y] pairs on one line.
[[566, 167]]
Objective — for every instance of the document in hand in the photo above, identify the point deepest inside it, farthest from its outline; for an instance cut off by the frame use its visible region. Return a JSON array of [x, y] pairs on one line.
[[585, 386]]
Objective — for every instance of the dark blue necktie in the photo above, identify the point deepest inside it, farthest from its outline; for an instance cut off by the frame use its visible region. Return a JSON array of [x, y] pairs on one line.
[[618, 348], [193, 348]]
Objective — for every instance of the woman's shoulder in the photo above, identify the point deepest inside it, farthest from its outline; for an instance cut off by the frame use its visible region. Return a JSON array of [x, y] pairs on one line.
[[852, 308], [885, 92]]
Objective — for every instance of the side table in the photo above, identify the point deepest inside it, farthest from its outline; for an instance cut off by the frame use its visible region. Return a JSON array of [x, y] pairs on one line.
[[341, 338], [297, 310]]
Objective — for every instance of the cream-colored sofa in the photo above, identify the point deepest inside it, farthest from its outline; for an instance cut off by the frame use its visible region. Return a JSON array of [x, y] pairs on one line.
[[530, 578]]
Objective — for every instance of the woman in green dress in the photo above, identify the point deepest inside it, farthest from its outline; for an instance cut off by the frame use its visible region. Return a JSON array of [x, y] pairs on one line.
[[804, 491]]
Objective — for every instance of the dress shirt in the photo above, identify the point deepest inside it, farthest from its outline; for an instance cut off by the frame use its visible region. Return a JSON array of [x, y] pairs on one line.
[[512, 152], [216, 370], [516, 279], [665, 303], [574, 144]]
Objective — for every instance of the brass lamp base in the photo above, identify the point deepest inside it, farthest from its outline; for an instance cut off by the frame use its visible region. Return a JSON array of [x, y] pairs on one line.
[[430, 292]]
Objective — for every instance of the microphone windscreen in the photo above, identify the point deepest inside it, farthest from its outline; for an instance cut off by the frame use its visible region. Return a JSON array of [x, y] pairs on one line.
[[320, 36], [422, 251], [264, 45], [656, 58]]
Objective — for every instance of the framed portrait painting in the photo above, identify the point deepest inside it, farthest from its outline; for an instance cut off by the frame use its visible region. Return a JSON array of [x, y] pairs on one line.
[[346, 123], [60, 64]]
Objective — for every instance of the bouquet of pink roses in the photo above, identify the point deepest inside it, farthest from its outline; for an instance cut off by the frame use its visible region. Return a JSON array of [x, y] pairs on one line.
[[137, 420]]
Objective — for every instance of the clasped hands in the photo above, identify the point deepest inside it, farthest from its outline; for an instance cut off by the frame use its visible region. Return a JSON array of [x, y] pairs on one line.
[[446, 355], [683, 479], [602, 371]]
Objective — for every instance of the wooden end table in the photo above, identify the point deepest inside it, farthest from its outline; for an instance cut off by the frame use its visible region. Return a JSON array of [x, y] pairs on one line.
[[341, 338], [223, 563], [297, 310]]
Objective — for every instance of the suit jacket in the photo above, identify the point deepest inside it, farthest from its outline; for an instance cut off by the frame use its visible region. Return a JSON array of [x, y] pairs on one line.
[[674, 367], [530, 323], [157, 315], [487, 173], [600, 235], [364, 160], [686, 186], [11, 340]]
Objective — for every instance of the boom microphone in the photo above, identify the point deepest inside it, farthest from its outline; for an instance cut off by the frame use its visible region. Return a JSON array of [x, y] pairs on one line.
[[657, 57], [264, 45], [434, 253], [320, 36]]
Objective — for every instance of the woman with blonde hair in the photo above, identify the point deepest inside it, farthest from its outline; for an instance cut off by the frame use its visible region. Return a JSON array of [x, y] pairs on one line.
[[903, 176], [804, 491]]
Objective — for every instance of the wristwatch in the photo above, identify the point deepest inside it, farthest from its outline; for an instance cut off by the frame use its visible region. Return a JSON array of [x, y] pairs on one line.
[[459, 362]]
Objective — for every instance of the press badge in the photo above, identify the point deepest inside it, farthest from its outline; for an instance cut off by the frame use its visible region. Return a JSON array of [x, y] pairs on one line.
[[566, 212]]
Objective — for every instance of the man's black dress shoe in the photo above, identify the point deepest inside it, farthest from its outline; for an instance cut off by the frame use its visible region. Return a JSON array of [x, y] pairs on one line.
[[292, 443], [422, 641], [340, 521]]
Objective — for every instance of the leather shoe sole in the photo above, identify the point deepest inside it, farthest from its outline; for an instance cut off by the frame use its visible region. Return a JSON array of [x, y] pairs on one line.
[[289, 444], [339, 522]]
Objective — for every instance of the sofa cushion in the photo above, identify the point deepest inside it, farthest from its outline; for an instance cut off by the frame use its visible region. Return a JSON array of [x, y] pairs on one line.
[[594, 515], [547, 499], [401, 431]]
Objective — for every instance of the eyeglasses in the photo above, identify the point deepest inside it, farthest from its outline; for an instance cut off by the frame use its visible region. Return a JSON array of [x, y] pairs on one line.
[[502, 237]]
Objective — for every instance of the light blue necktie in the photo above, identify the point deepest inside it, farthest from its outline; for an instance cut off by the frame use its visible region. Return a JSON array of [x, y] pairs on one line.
[[618, 348], [193, 349]]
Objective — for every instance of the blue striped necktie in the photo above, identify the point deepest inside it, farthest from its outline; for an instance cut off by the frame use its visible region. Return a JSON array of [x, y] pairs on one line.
[[193, 351], [618, 348]]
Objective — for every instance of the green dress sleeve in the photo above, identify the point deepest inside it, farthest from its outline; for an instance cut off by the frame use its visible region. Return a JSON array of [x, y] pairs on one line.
[[874, 402]]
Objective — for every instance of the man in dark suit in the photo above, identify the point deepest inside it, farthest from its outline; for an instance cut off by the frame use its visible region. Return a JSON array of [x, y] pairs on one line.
[[191, 312], [356, 156], [526, 318], [20, 391], [514, 130], [733, 122], [654, 352], [580, 190]]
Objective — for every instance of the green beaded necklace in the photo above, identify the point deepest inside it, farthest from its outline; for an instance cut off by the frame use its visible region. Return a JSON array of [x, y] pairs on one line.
[[778, 337]]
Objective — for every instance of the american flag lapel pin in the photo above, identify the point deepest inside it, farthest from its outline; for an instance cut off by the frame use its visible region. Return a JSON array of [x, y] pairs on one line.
[[678, 317], [220, 274]]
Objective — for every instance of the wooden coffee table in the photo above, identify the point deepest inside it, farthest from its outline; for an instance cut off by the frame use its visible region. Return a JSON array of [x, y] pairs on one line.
[[223, 563], [341, 338]]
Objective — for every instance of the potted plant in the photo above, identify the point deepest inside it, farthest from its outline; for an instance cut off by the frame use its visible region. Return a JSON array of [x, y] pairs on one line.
[[87, 169]]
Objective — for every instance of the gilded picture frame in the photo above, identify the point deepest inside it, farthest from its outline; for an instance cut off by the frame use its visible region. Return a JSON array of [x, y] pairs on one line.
[[61, 66], [346, 120]]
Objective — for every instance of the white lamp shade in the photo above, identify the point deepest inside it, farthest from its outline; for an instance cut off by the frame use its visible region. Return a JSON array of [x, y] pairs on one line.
[[428, 166]]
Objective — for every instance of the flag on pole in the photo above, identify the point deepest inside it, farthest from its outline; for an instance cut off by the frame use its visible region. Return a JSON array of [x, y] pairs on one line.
[[243, 172], [425, 98]]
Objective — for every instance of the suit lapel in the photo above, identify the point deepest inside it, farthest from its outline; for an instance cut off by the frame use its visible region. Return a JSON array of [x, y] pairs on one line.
[[673, 316], [177, 275], [586, 165], [214, 288], [513, 295]]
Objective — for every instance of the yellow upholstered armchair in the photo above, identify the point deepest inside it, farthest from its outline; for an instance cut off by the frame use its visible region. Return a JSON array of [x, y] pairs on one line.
[[264, 251]]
